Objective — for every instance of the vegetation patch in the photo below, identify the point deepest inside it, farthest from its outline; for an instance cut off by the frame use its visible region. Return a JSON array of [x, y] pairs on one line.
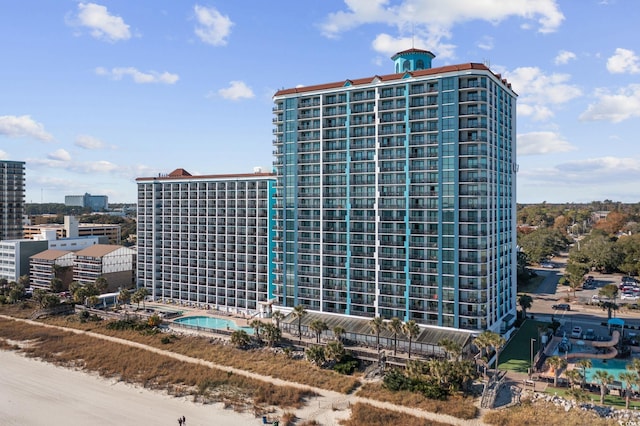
[[456, 405], [528, 414], [365, 414], [148, 369]]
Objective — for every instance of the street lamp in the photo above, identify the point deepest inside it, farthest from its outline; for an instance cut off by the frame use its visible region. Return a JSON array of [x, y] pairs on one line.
[[531, 369]]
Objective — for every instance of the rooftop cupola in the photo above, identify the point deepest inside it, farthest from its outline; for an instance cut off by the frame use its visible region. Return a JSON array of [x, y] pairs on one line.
[[412, 60]]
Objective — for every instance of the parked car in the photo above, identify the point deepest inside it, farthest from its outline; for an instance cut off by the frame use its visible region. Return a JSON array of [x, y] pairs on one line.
[[576, 332], [596, 298], [629, 296], [547, 265], [589, 334], [562, 307]]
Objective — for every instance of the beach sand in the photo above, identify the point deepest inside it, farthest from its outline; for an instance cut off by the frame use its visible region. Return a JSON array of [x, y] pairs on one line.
[[37, 393]]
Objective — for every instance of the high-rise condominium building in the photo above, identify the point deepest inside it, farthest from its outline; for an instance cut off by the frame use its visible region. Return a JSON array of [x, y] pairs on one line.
[[11, 199], [395, 195], [205, 240]]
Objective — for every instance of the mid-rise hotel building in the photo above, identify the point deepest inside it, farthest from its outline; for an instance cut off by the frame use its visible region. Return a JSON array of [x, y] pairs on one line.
[[395, 196], [206, 240]]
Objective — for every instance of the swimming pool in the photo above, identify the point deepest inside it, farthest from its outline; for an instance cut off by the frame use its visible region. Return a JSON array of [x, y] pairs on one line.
[[212, 323], [612, 366]]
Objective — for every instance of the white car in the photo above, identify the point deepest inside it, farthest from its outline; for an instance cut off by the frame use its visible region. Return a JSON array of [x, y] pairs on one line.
[[547, 265], [629, 296], [576, 332]]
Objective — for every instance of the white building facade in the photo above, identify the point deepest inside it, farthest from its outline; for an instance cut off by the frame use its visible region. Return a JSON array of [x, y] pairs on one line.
[[206, 240]]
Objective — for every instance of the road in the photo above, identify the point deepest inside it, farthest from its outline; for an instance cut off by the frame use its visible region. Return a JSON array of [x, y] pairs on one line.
[[549, 293]]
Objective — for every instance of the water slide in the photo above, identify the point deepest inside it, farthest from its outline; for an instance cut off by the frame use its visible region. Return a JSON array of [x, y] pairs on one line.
[[609, 344]]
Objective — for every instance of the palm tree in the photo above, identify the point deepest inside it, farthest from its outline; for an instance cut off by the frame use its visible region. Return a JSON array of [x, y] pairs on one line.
[[574, 377], [125, 296], [277, 316], [240, 338], [604, 378], [334, 351], [525, 301], [299, 312], [630, 379], [584, 363], [318, 326], [136, 298], [257, 325], [338, 332], [272, 334], [411, 330], [395, 326], [142, 292], [101, 284], [377, 324], [315, 354], [557, 364], [488, 339], [634, 365], [451, 348]]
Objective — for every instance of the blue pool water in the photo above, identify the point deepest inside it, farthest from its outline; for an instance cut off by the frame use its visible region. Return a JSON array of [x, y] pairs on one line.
[[214, 323], [612, 366]]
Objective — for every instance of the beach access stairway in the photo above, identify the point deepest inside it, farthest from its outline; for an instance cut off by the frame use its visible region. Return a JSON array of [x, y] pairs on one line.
[[65, 308], [492, 389]]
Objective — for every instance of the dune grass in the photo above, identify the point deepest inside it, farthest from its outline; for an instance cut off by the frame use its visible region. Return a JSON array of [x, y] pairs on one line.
[[365, 414], [456, 406], [149, 369]]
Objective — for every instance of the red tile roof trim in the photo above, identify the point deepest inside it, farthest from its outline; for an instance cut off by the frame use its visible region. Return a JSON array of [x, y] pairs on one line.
[[391, 77], [228, 176]]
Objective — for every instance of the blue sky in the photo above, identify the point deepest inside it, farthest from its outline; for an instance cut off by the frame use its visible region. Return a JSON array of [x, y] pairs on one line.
[[93, 95]]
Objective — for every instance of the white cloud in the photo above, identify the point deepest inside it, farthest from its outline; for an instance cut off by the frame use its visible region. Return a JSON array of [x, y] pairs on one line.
[[538, 91], [213, 27], [603, 165], [536, 143], [3, 155], [14, 126], [536, 112], [486, 43], [237, 90], [432, 20], [101, 23], [139, 76], [614, 107], [623, 61], [89, 142], [60, 155], [390, 45], [563, 57]]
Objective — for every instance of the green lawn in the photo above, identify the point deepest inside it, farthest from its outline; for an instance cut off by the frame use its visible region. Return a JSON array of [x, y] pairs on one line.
[[516, 356]]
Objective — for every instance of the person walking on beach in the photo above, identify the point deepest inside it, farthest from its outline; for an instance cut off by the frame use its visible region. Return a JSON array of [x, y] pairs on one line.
[[180, 421], [184, 421]]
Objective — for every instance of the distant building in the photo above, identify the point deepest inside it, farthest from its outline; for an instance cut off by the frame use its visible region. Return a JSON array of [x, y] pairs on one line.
[[11, 199], [49, 264], [115, 263], [72, 229], [93, 202], [14, 257], [207, 239]]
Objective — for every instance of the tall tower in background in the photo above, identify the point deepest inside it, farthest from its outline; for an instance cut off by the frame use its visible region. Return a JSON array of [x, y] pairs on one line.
[[12, 189], [395, 196]]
